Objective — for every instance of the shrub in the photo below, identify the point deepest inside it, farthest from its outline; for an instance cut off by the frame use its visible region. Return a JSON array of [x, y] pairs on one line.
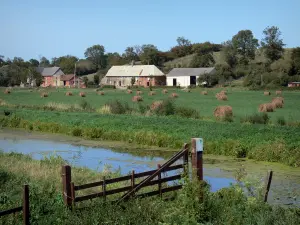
[[167, 107], [116, 107], [85, 105], [104, 109], [77, 132], [257, 118], [187, 112], [142, 108], [108, 86], [281, 121]]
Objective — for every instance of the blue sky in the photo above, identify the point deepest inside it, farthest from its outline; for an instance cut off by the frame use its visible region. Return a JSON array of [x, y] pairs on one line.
[[34, 28]]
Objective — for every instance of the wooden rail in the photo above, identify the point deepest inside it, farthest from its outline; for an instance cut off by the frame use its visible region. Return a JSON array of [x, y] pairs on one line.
[[24, 208], [69, 188]]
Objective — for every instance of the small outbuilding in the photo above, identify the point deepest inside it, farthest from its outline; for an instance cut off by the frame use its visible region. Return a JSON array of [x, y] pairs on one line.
[[185, 77]]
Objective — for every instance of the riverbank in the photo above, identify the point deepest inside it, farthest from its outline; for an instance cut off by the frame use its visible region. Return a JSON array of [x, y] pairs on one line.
[[47, 206], [258, 142]]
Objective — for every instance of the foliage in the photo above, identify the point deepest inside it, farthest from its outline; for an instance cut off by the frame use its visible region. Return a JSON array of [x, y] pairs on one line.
[[117, 107], [272, 43], [245, 45], [66, 63], [281, 121], [257, 118], [230, 54], [96, 79], [96, 54], [206, 60], [44, 62], [85, 80], [187, 112], [183, 48], [296, 60], [166, 108]]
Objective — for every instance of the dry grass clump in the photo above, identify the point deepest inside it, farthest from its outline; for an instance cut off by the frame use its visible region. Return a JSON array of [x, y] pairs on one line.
[[278, 92], [129, 91], [2, 102], [187, 90], [278, 102], [204, 92], [155, 105], [164, 91], [7, 91], [139, 92], [174, 95], [69, 93], [101, 93], [137, 98], [106, 109], [221, 96], [44, 95], [151, 93], [223, 111], [267, 93], [266, 107], [82, 94]]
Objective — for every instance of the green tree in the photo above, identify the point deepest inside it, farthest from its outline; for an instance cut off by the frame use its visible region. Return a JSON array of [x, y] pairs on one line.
[[130, 54], [96, 79], [229, 54], [66, 63], [295, 61], [114, 59], [96, 54], [44, 62], [2, 61], [245, 45], [34, 62], [206, 60], [150, 55], [272, 43], [85, 81], [183, 47]]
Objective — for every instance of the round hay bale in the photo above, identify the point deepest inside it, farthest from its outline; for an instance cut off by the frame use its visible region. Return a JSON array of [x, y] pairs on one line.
[[82, 94], [137, 98], [266, 107], [164, 91], [187, 90], [223, 92], [129, 91], [223, 111], [221, 97], [155, 105], [69, 93], [139, 92], [280, 99], [44, 95], [7, 91], [151, 93], [174, 95], [278, 102], [204, 92], [101, 93], [278, 92], [267, 93]]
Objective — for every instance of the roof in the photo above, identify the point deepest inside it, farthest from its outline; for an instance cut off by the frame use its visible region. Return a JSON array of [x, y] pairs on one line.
[[48, 71], [66, 77], [294, 82], [190, 71], [135, 70]]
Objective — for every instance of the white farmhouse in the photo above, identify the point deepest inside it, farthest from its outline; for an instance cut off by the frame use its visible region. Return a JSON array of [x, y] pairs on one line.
[[187, 76]]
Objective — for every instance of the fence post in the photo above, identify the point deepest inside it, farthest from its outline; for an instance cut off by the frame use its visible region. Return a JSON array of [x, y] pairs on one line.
[[159, 183], [73, 193], [66, 181], [186, 160], [268, 185], [197, 160], [25, 208], [132, 181], [104, 188]]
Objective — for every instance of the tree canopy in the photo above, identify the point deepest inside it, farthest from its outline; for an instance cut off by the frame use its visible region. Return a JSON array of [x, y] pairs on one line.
[[96, 54]]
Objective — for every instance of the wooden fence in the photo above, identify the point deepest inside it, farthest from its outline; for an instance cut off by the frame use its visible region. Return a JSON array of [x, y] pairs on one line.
[[24, 208], [69, 188]]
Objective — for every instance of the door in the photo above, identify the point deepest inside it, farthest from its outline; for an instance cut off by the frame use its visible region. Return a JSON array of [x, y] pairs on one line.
[[192, 80], [174, 82]]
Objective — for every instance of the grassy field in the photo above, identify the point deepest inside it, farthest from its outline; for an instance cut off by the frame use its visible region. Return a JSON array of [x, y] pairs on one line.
[[243, 102], [227, 206]]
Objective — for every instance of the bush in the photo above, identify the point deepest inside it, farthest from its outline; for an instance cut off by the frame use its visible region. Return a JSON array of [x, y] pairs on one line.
[[108, 86], [187, 112], [166, 108], [85, 105], [117, 107], [142, 108], [281, 121], [257, 118]]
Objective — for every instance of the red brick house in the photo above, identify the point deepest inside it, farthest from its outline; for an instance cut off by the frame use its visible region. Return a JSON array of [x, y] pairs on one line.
[[51, 76], [294, 84], [143, 75], [69, 80]]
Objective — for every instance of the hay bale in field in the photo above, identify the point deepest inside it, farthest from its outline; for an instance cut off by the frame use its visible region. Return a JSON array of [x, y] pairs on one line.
[[69, 93], [174, 95], [266, 107], [278, 92], [82, 94], [278, 102], [6, 91], [187, 90], [267, 93], [223, 92], [223, 111], [204, 92], [101, 93], [155, 105], [137, 98], [221, 97], [129, 91], [164, 91], [139, 92], [44, 95], [151, 93], [280, 99]]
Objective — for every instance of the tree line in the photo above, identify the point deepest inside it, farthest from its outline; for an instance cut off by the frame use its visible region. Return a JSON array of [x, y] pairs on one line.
[[237, 60]]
